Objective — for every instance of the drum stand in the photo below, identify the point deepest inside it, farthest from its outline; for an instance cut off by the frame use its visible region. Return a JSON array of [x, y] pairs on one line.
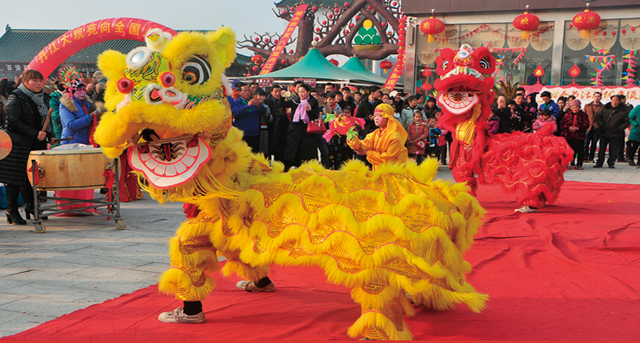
[[113, 206]]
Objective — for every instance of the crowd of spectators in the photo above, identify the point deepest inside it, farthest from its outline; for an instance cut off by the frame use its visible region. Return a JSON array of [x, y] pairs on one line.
[[594, 126], [276, 121]]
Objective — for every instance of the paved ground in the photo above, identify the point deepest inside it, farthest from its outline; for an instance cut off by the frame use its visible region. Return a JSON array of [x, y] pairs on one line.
[[79, 262]]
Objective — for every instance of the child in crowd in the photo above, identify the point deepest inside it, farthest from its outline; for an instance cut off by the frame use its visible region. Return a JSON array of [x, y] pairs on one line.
[[385, 144], [417, 137], [331, 105], [545, 117], [435, 138], [516, 115], [338, 152], [494, 123]]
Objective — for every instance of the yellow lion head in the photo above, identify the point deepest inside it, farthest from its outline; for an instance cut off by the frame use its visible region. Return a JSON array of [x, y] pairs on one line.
[[173, 87]]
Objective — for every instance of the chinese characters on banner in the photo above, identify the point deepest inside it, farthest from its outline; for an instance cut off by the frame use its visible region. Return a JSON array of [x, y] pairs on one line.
[[585, 94], [72, 41], [284, 39], [393, 77]]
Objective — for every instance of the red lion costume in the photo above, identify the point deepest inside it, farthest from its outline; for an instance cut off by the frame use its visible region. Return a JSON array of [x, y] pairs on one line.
[[533, 163]]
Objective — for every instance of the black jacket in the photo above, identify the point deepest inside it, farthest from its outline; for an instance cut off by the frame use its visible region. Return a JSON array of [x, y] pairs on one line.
[[22, 123], [278, 127], [366, 109], [612, 121], [505, 119], [301, 146]]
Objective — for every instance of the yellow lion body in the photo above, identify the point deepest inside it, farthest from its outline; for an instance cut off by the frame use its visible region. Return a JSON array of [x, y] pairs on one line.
[[383, 234]]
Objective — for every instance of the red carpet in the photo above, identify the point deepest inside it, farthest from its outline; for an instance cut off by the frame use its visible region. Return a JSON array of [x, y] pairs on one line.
[[569, 272]]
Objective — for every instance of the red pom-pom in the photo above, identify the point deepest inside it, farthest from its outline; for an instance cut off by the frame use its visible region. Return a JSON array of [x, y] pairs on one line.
[[167, 79], [125, 86]]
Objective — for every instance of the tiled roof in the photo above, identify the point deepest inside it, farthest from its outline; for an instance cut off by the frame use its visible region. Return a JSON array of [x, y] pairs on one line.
[[319, 3], [20, 46]]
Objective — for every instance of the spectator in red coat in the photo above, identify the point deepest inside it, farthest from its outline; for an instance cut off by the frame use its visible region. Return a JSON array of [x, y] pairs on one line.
[[574, 129]]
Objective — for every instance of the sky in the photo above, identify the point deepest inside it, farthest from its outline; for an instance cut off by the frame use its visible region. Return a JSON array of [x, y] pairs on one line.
[[244, 16]]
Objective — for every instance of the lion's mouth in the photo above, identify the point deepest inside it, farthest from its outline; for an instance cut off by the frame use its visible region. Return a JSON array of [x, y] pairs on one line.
[[459, 99], [169, 162]]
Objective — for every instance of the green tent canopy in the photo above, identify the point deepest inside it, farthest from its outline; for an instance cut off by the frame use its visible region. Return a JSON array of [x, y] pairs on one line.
[[316, 66], [354, 65]]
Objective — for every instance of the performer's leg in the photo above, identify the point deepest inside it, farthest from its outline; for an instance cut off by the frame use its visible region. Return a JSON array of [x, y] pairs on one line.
[[383, 309], [193, 256]]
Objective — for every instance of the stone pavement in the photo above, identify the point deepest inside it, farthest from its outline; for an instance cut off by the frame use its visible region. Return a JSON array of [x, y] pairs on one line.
[[83, 261]]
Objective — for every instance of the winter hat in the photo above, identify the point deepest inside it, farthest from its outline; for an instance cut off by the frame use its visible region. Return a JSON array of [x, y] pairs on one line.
[[575, 102]]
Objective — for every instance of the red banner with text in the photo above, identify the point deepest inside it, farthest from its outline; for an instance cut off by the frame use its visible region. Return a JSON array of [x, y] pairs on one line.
[[284, 39], [393, 77], [72, 41]]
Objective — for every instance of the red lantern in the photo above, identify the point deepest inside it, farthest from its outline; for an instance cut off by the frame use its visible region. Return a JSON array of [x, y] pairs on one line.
[[334, 62], [431, 27], [574, 72], [386, 65], [427, 72], [586, 21], [526, 22], [538, 72], [257, 59]]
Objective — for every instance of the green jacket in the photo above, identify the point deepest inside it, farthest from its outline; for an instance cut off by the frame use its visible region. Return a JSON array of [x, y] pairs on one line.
[[634, 117], [54, 103]]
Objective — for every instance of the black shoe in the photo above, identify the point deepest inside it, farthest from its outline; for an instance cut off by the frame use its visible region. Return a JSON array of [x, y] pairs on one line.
[[611, 166], [15, 219], [598, 166]]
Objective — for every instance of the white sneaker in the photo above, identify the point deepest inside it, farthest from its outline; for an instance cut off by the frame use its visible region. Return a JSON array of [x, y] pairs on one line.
[[178, 316], [526, 209]]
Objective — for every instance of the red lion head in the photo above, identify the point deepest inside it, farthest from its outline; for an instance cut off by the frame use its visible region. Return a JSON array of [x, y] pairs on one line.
[[465, 78]]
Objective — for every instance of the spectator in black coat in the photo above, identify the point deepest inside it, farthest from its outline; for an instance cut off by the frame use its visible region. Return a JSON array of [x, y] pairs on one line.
[[279, 126], [26, 111]]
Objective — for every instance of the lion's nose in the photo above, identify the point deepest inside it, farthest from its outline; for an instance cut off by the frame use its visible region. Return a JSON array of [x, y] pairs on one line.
[[166, 79]]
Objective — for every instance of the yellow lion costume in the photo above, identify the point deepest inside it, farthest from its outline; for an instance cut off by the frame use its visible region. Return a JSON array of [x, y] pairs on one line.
[[384, 234]]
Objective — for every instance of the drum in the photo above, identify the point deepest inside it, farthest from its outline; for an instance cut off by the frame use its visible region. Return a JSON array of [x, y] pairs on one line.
[[62, 169]]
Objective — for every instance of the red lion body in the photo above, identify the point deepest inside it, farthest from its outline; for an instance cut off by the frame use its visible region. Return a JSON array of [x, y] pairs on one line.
[[533, 163]]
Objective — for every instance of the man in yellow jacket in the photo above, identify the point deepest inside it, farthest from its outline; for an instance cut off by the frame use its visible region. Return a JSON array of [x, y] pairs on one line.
[[386, 143]]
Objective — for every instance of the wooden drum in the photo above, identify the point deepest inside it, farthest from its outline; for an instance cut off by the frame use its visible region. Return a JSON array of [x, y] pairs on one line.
[[62, 169]]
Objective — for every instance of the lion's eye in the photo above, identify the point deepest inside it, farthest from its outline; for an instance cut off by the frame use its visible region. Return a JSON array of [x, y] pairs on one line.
[[484, 63], [445, 64], [196, 70]]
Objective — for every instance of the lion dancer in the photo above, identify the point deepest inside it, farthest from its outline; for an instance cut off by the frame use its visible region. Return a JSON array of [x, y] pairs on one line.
[[467, 97], [532, 163]]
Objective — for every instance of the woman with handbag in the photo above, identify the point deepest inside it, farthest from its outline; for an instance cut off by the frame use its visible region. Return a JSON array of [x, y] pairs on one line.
[[306, 124], [26, 112]]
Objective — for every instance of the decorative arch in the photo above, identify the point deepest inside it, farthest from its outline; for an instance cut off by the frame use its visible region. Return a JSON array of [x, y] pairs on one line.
[[72, 41]]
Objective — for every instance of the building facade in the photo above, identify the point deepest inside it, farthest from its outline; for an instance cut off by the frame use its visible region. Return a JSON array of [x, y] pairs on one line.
[[606, 58]]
